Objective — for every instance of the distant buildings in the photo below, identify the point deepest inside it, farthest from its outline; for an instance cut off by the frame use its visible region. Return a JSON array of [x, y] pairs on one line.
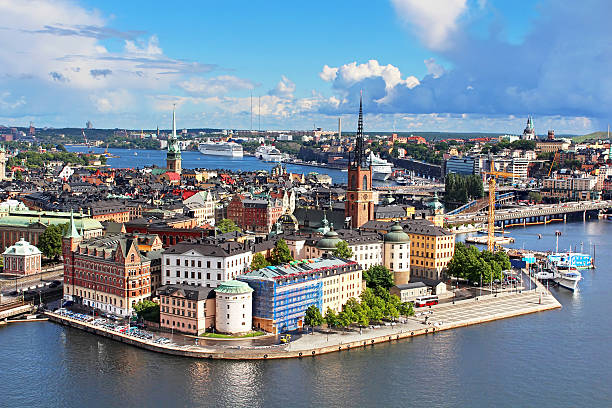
[[529, 132]]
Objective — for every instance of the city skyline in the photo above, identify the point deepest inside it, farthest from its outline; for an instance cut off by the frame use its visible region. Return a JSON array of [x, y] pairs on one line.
[[450, 65]]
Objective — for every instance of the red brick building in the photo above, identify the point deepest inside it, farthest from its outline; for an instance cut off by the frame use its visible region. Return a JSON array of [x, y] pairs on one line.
[[256, 215], [107, 273]]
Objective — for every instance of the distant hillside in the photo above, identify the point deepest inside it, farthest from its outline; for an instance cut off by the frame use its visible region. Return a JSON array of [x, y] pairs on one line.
[[591, 136]]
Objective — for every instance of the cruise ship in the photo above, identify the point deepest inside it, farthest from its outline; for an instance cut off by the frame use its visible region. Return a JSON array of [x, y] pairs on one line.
[[269, 154], [381, 169], [230, 149]]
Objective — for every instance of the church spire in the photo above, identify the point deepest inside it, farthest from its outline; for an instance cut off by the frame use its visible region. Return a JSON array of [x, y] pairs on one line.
[[358, 156], [72, 231], [174, 121]]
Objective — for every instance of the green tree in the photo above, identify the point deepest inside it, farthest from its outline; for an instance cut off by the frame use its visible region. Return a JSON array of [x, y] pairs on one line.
[[18, 175], [331, 318], [343, 250], [226, 225], [50, 241], [313, 317], [535, 196], [147, 310], [281, 253], [259, 261], [378, 276]]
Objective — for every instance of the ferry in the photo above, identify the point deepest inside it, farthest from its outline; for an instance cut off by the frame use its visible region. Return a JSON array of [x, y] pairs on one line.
[[381, 169], [269, 154], [575, 259], [229, 149]]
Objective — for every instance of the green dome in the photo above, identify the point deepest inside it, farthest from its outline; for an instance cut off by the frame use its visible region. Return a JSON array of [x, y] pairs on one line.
[[435, 203], [233, 286], [329, 241], [397, 235]]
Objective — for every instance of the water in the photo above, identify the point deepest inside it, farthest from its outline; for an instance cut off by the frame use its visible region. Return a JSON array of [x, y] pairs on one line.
[[137, 158], [558, 358]]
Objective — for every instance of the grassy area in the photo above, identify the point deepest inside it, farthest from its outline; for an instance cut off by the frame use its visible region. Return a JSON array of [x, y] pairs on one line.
[[229, 336]]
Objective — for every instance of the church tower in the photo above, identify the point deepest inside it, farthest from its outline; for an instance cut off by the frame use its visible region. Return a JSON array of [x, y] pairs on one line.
[[70, 242], [173, 156], [359, 203]]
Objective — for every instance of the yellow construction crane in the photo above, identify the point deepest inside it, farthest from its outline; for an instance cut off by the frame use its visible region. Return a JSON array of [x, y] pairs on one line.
[[553, 162], [491, 226]]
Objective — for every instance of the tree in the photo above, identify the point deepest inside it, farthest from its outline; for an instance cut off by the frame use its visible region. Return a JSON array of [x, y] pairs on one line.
[[281, 253], [342, 250], [378, 276], [313, 316], [50, 241], [535, 196], [147, 310], [259, 261], [331, 318], [227, 225]]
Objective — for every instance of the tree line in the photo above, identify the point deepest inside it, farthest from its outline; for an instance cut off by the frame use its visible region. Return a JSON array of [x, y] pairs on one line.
[[477, 266], [459, 189]]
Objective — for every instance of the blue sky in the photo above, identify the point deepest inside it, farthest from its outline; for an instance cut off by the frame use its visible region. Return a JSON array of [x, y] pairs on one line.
[[423, 65]]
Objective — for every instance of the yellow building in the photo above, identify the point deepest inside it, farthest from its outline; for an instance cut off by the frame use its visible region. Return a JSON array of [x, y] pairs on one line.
[[432, 248]]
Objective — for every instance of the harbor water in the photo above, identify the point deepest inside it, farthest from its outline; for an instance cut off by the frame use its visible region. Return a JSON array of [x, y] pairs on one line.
[[559, 358], [139, 158]]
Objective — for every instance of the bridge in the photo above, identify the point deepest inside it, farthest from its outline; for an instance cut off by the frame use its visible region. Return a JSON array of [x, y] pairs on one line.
[[477, 205], [537, 214]]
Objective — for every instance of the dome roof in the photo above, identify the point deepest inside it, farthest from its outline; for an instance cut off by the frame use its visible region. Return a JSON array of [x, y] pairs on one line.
[[22, 247], [329, 241], [397, 235], [233, 286], [435, 203]]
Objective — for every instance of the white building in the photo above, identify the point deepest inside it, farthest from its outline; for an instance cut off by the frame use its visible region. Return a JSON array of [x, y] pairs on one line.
[[201, 206], [203, 263], [234, 307], [397, 254]]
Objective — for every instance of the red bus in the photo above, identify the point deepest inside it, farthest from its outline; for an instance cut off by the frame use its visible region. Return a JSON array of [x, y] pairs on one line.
[[423, 301]]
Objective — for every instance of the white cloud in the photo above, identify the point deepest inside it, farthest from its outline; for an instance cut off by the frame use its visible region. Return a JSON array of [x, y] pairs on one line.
[[352, 73], [328, 74], [433, 68], [285, 88], [6, 103], [433, 20], [219, 85], [113, 101]]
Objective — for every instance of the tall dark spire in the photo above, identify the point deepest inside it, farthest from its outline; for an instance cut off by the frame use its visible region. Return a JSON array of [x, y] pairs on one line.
[[358, 155]]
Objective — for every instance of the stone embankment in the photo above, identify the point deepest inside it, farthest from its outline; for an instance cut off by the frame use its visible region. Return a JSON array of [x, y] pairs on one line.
[[436, 319]]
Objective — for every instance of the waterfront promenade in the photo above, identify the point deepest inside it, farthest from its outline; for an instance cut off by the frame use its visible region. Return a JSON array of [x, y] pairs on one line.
[[441, 317]]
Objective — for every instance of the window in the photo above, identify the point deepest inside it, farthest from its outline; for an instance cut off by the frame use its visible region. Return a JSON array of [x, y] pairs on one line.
[[186, 262], [199, 264], [167, 261], [218, 276], [208, 264], [219, 265], [178, 262]]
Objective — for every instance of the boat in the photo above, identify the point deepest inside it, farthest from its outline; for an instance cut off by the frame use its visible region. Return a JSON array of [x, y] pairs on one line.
[[576, 259], [212, 148], [566, 275], [401, 180], [381, 169], [269, 154]]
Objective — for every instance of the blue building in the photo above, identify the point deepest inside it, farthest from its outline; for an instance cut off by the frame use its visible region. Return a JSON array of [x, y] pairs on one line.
[[462, 165], [281, 294]]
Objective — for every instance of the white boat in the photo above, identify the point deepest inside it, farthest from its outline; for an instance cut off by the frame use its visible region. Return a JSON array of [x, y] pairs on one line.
[[230, 149], [381, 169], [566, 275], [269, 154]]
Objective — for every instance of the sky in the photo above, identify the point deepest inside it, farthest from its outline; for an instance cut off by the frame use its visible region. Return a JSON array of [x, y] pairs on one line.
[[422, 65]]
